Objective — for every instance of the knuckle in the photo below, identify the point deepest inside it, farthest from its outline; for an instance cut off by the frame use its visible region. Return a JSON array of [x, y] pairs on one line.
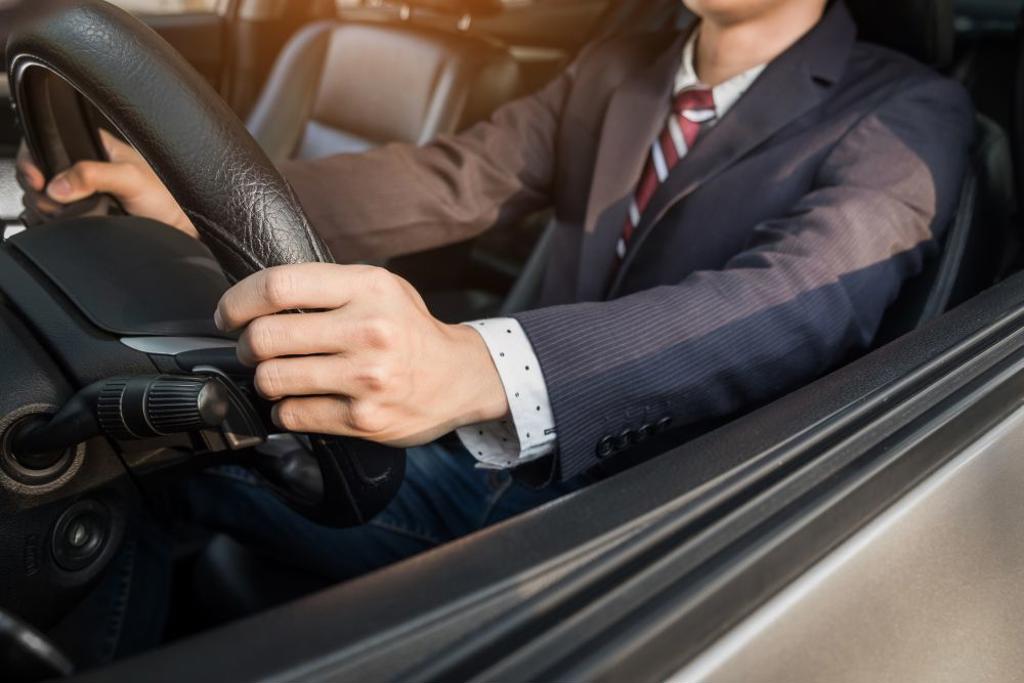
[[377, 377], [226, 309], [379, 333], [83, 172], [365, 417], [268, 379], [289, 415], [263, 337], [279, 287], [378, 279]]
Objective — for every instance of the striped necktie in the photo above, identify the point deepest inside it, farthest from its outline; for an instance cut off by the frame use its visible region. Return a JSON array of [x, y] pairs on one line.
[[691, 109]]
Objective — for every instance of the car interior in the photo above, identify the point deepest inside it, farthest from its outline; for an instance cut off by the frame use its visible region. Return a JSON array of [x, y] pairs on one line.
[[318, 78]]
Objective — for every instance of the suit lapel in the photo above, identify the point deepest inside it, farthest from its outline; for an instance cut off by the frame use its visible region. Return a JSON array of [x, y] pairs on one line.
[[794, 83], [635, 114]]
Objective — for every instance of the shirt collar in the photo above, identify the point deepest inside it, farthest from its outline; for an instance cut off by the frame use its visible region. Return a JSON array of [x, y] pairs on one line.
[[725, 94]]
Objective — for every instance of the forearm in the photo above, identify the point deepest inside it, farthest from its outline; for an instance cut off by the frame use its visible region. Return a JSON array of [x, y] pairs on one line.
[[400, 198], [809, 293], [708, 347], [374, 206], [679, 355]]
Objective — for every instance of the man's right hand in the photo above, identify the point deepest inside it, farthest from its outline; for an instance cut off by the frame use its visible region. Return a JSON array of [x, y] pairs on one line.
[[127, 177]]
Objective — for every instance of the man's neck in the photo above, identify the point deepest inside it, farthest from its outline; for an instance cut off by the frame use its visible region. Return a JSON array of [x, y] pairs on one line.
[[728, 47]]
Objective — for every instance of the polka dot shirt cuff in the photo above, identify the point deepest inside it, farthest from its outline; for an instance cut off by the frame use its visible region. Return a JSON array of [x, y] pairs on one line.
[[530, 433]]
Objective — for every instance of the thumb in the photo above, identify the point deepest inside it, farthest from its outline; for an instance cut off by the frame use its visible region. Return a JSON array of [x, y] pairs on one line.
[[89, 177]]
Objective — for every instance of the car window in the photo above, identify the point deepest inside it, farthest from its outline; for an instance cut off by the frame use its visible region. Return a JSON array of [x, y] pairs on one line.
[[987, 14], [167, 6]]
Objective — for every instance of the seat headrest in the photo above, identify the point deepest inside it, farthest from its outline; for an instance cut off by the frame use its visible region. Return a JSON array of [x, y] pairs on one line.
[[922, 29]]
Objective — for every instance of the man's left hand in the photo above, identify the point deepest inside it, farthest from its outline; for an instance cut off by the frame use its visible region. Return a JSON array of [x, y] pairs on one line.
[[367, 359]]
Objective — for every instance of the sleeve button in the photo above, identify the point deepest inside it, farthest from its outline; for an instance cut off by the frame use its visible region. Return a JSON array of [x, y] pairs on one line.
[[663, 424], [605, 447], [644, 433], [624, 440]]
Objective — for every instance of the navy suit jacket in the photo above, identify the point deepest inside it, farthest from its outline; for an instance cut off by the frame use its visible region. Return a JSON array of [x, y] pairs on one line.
[[766, 258]]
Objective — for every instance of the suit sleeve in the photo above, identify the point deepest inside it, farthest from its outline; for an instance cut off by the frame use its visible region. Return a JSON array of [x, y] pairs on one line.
[[401, 198], [810, 289]]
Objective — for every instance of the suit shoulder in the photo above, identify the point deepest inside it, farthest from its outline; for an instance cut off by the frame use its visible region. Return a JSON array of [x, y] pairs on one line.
[[878, 78], [887, 71]]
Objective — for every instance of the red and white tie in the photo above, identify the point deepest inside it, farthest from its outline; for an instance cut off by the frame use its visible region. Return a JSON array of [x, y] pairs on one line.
[[691, 109]]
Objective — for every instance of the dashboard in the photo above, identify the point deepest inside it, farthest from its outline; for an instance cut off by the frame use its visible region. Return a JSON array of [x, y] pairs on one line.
[[81, 301]]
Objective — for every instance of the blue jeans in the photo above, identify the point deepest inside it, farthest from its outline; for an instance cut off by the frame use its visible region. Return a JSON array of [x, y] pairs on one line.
[[444, 496]]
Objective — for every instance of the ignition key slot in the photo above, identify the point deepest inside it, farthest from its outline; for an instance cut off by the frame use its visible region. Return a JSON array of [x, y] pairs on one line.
[[33, 469], [80, 535]]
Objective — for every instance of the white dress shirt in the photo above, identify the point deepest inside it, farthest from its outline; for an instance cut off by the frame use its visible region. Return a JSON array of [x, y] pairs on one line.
[[529, 432]]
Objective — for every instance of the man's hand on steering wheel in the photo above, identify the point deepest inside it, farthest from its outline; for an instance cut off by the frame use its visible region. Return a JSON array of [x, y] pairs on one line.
[[371, 363], [127, 177], [368, 359]]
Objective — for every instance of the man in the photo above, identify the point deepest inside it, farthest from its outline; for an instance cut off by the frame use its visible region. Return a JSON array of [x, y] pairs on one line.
[[736, 206]]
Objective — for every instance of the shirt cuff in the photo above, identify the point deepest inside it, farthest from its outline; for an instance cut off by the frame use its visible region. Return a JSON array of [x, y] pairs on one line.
[[530, 433]]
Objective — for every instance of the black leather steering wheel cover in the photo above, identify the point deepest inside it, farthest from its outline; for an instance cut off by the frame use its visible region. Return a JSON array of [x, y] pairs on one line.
[[244, 210], [239, 203]]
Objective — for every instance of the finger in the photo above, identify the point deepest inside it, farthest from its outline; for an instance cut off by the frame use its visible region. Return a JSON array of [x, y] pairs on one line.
[[86, 178], [291, 334], [284, 288], [304, 376], [29, 175], [337, 415], [313, 415], [39, 202], [24, 182], [119, 151]]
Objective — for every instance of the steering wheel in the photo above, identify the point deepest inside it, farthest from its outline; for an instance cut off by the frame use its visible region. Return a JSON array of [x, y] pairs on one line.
[[246, 214]]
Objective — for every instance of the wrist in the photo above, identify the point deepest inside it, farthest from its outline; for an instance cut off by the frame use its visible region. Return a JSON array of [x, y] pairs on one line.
[[479, 393]]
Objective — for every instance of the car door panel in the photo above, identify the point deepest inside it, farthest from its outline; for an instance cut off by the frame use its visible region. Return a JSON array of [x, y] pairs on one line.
[[928, 591]]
